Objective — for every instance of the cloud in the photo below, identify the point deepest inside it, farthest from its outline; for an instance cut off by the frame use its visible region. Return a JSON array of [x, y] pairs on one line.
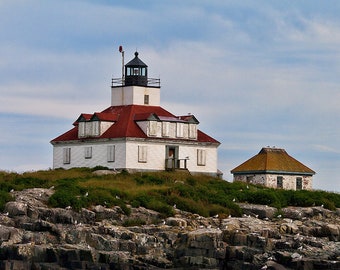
[[253, 73]]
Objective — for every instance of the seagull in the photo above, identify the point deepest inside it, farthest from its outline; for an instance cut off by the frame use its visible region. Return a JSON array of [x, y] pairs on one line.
[[279, 216], [12, 190], [216, 216], [234, 200], [68, 207], [86, 194], [321, 205]]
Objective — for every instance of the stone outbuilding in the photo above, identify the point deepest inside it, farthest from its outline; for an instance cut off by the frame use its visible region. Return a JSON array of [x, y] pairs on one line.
[[274, 168]]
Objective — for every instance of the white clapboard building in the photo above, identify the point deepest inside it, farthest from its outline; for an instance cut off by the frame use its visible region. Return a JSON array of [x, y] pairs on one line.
[[135, 133]]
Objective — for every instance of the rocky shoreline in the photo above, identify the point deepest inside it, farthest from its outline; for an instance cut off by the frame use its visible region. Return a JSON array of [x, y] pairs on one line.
[[34, 236]]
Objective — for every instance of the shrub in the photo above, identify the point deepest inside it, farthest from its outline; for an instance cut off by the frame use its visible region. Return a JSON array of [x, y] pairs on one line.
[[64, 198], [4, 198], [149, 179], [28, 182], [133, 222]]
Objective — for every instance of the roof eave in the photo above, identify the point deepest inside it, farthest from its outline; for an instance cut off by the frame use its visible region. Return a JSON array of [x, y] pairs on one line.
[[272, 172]]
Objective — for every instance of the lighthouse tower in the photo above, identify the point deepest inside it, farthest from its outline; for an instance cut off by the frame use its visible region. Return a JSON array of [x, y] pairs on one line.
[[135, 88]]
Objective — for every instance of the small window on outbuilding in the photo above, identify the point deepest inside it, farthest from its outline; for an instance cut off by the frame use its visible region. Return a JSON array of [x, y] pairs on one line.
[[250, 179], [279, 182], [298, 183]]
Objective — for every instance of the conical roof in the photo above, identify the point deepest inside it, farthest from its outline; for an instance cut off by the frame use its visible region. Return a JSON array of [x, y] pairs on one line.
[[136, 62]]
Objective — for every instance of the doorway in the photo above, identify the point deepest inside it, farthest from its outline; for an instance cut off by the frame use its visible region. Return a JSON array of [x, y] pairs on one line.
[[171, 157]]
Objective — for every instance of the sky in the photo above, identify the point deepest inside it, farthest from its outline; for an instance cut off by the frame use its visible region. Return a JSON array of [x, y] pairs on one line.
[[254, 73]]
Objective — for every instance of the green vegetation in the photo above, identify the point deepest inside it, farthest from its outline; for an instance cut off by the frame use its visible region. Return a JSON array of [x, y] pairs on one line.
[[159, 191]]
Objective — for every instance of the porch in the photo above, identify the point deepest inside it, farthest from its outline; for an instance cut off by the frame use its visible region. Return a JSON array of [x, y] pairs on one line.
[[172, 164]]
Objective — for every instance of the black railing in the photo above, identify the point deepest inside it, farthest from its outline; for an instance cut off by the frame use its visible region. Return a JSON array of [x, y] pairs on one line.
[[121, 82], [175, 164]]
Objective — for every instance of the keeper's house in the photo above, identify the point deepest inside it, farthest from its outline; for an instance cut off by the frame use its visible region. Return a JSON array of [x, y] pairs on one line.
[[273, 167], [136, 133]]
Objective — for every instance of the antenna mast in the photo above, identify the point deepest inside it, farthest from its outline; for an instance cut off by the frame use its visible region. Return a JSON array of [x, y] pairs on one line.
[[122, 52]]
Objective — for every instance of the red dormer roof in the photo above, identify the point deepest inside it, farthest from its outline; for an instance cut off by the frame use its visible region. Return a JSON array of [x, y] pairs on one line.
[[125, 125], [101, 116]]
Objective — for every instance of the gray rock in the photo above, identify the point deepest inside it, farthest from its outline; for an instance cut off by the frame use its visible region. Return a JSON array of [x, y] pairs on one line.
[[13, 209], [34, 236], [258, 211]]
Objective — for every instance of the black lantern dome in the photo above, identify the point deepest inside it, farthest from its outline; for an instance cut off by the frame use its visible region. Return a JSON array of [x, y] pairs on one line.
[[136, 72]]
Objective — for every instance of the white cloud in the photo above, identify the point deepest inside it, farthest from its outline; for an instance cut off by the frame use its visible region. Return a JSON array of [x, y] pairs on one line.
[[254, 74]]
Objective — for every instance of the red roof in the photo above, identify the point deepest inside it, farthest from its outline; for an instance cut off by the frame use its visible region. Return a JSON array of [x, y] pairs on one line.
[[125, 123]]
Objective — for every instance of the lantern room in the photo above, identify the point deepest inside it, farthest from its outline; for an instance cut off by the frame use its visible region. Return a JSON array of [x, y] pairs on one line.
[[136, 72]]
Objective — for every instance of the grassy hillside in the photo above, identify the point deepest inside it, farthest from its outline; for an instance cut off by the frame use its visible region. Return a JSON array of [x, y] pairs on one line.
[[160, 191]]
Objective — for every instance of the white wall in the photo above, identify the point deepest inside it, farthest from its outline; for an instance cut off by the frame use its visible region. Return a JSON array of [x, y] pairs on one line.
[[99, 155], [128, 95], [156, 154], [126, 155]]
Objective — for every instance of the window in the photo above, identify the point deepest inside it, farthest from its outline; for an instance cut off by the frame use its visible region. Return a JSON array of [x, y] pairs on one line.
[[142, 153], [146, 99], [96, 128], [298, 183], [165, 129], [179, 130], [192, 131], [88, 152], [250, 179], [201, 157], [152, 128], [81, 129], [279, 182], [67, 155], [111, 153]]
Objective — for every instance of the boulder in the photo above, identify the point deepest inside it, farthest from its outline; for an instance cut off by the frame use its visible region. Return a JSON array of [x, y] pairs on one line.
[[14, 208], [258, 211]]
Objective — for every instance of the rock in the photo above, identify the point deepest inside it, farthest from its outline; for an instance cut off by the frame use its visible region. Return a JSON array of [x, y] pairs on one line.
[[258, 211], [179, 222], [105, 172], [332, 231], [34, 236], [13, 209], [290, 228]]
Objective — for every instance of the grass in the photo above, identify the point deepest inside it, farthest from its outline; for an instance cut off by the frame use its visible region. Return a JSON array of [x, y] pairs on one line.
[[159, 191]]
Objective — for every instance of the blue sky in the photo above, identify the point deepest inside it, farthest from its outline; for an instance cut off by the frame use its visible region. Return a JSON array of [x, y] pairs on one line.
[[254, 73]]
